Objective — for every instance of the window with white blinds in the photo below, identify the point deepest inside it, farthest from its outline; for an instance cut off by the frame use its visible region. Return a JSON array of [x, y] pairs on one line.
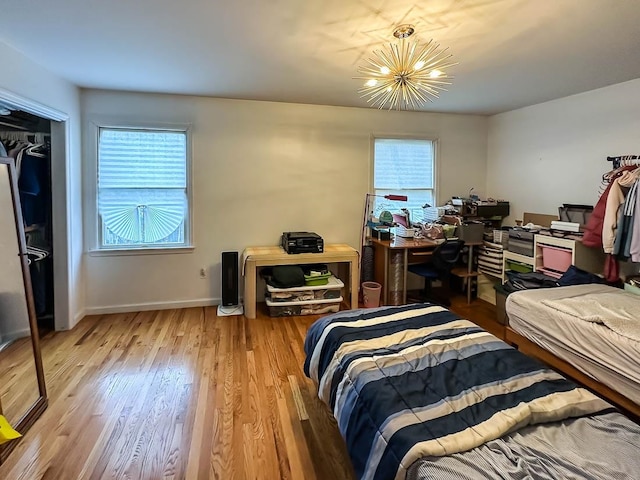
[[142, 188], [404, 167]]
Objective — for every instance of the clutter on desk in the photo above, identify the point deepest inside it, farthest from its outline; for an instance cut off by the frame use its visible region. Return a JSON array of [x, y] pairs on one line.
[[381, 233], [474, 207], [458, 218], [403, 218]]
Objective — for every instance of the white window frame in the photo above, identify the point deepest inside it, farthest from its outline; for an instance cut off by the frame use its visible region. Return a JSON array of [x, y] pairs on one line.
[[91, 216], [436, 177]]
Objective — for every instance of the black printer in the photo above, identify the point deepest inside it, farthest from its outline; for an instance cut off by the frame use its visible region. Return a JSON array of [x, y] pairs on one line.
[[302, 242]]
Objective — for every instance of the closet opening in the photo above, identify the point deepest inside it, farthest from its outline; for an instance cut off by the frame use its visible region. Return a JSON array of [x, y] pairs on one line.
[[26, 138]]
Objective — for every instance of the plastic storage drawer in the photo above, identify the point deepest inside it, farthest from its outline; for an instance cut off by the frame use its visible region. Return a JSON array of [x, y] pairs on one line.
[[313, 307], [517, 266], [521, 242], [555, 258], [332, 290]]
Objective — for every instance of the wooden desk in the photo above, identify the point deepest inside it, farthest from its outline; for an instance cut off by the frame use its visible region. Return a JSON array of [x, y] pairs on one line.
[[255, 257], [393, 252], [407, 251]]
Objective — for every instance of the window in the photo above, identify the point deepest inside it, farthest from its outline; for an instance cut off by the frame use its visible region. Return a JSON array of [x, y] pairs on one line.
[[142, 188], [404, 167]]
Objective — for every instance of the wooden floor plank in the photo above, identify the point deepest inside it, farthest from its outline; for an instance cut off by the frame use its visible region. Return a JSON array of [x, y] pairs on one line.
[[183, 394]]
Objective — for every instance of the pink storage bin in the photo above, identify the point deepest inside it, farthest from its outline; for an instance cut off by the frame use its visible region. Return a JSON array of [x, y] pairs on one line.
[[555, 258]]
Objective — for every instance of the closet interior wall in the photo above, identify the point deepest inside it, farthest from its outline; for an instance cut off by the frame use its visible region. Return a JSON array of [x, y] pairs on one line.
[[26, 139]]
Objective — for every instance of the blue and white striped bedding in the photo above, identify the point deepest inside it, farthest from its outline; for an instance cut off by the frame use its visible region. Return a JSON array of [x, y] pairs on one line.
[[418, 381]]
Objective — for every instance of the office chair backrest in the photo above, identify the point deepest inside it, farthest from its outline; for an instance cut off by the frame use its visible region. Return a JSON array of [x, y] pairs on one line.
[[446, 255]]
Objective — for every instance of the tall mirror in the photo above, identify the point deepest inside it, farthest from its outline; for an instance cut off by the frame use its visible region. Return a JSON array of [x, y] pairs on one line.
[[22, 388]]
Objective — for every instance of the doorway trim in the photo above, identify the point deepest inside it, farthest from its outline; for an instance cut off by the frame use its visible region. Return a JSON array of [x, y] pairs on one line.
[[60, 167]]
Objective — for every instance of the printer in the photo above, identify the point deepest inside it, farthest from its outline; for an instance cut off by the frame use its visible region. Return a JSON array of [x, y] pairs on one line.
[[302, 242]]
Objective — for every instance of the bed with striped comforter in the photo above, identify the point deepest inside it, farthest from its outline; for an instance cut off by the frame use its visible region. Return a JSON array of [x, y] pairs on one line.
[[418, 381]]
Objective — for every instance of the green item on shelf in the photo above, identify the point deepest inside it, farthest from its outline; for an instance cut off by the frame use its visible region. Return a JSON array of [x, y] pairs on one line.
[[317, 279]]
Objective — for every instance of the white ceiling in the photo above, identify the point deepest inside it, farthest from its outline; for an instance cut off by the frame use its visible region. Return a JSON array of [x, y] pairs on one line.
[[511, 53]]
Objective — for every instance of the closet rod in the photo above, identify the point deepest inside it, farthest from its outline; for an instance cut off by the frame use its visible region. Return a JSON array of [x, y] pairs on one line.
[[623, 160]]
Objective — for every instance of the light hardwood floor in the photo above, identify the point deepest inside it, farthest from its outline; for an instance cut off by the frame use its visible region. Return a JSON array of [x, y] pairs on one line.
[[182, 394]]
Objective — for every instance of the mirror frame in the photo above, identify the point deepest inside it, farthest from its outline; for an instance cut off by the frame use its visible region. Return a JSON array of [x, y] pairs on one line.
[[39, 406]]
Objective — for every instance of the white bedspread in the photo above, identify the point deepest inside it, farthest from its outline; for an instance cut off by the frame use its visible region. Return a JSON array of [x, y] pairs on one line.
[[593, 348], [618, 310]]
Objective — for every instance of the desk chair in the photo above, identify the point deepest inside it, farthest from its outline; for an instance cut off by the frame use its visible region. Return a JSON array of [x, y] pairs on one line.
[[444, 258]]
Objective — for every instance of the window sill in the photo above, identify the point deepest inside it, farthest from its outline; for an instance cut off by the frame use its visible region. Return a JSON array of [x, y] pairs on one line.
[[140, 251]]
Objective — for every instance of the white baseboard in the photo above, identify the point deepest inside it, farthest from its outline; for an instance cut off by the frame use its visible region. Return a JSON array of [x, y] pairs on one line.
[[10, 337], [143, 307], [77, 317]]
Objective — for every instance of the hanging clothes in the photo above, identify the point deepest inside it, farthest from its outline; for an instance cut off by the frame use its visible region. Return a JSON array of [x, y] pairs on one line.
[[602, 231], [626, 219], [634, 249], [34, 188], [615, 200], [33, 184], [593, 230]]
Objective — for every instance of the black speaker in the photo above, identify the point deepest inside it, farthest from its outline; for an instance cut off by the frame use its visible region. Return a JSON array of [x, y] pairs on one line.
[[229, 278]]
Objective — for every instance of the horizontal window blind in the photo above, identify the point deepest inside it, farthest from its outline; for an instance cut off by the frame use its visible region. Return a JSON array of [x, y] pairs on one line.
[[142, 187], [142, 159], [404, 167], [403, 164]]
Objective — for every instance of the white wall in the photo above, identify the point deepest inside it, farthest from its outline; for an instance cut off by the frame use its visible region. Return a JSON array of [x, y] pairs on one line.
[[23, 78], [259, 169], [545, 155]]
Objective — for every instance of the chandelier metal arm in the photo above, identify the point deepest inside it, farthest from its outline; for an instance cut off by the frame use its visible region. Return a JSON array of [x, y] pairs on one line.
[[405, 74]]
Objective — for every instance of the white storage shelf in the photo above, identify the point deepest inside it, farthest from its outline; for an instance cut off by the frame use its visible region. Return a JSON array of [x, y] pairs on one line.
[[516, 257], [589, 259], [284, 308]]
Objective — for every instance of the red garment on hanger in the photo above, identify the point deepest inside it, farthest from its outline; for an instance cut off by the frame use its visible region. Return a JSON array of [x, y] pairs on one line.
[[611, 269], [593, 229]]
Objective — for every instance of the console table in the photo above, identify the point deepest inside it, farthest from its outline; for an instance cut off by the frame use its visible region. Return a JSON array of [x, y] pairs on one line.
[[255, 257]]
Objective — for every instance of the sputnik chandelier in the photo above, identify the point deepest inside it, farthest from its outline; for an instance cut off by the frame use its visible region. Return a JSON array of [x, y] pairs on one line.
[[407, 74]]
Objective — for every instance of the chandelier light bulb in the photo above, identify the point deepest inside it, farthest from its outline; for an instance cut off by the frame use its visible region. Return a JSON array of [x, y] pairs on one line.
[[405, 75]]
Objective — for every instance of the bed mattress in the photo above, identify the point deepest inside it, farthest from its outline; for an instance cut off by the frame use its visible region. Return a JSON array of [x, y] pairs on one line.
[[417, 381], [577, 448], [595, 349]]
